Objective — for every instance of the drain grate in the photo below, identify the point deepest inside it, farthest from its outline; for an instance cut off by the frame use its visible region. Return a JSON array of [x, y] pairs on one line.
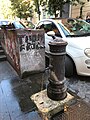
[[78, 111]]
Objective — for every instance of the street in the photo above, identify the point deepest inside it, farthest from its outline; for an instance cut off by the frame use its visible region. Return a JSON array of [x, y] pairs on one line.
[[80, 85], [15, 102]]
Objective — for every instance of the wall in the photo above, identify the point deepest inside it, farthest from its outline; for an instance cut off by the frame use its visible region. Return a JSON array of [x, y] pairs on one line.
[[75, 10]]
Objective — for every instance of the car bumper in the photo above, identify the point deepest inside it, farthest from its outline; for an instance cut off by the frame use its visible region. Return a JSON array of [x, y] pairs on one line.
[[82, 66]]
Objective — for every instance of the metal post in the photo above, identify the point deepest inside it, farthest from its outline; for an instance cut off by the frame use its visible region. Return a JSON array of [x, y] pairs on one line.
[[56, 89]]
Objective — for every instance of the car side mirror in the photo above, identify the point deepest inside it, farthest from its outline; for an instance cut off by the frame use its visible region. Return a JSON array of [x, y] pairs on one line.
[[51, 33]]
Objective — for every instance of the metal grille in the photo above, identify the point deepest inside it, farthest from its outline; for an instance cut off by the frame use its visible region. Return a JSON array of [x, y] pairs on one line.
[[78, 111]]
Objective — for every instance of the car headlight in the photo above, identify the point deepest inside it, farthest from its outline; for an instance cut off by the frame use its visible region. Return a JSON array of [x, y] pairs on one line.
[[87, 52]]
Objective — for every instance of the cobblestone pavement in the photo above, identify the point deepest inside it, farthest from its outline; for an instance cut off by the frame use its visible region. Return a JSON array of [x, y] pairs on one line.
[[80, 86]]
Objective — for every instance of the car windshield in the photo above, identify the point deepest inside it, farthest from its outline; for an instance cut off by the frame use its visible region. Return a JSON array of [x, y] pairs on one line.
[[30, 25], [27, 24], [65, 30], [76, 27], [18, 25]]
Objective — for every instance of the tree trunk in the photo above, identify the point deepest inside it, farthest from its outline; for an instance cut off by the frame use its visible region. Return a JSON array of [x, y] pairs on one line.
[[60, 13]]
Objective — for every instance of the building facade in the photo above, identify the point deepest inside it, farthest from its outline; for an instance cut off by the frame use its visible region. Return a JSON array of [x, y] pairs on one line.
[[75, 10]]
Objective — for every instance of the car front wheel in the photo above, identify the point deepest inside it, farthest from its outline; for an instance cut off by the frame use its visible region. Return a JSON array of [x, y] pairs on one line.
[[69, 66]]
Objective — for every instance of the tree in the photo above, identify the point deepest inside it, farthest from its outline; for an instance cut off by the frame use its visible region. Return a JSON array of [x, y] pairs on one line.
[[22, 8], [5, 11], [54, 5], [37, 4]]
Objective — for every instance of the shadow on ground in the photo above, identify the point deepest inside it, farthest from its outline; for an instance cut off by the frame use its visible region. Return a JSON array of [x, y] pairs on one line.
[[15, 102]]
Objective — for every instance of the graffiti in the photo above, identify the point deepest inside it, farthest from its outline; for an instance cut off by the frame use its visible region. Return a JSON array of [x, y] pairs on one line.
[[29, 42], [25, 50]]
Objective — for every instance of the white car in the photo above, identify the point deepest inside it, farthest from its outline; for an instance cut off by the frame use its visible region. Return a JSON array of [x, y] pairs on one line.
[[77, 34]]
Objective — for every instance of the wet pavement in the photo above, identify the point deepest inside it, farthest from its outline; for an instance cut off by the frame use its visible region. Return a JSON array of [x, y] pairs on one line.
[[15, 103], [15, 93]]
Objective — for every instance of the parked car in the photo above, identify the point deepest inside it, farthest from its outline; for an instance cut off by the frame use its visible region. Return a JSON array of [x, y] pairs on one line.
[[11, 24], [77, 34], [4, 22], [28, 24]]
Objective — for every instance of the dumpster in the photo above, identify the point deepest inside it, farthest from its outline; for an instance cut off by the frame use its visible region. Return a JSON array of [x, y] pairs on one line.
[[25, 50]]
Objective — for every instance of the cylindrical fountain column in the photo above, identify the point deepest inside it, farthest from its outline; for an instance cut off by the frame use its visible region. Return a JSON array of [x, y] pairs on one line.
[[56, 89]]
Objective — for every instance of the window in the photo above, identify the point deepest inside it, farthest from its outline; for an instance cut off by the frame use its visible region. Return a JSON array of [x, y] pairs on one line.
[[17, 25], [47, 26], [50, 26], [40, 26]]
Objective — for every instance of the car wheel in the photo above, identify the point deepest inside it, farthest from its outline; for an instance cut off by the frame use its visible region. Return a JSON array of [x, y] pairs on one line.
[[69, 66]]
